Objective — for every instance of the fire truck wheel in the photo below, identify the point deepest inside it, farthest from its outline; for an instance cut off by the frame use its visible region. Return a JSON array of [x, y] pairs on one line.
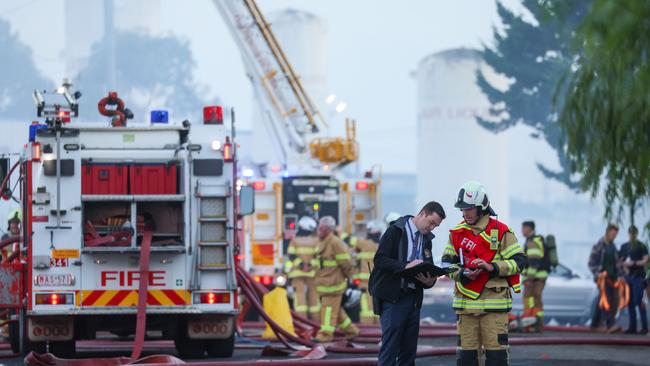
[[189, 348], [221, 347], [64, 349], [36, 347]]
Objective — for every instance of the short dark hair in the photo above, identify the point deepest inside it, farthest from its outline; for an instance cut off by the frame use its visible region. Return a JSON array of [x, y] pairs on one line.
[[611, 226], [432, 207], [529, 223], [633, 230]]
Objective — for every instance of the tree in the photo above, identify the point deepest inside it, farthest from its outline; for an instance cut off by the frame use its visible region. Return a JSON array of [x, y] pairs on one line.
[[150, 72], [605, 114], [533, 57], [18, 77]]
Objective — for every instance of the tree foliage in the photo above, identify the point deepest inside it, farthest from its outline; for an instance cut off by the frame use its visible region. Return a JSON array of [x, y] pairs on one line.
[[605, 115], [18, 77], [533, 55], [150, 72]]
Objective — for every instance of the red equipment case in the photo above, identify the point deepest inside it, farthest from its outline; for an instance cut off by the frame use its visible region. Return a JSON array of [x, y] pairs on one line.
[[104, 179], [153, 178]]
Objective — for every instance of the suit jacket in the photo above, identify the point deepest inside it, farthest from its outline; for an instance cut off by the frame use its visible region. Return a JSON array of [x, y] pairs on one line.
[[384, 284]]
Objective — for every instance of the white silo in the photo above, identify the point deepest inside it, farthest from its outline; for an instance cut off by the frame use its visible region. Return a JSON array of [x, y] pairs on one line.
[[302, 36], [452, 147]]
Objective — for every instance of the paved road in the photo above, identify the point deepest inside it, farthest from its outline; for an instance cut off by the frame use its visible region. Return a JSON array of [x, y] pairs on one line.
[[557, 355]]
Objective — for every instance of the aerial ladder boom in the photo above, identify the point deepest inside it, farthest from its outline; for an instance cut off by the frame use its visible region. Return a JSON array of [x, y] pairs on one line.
[[297, 127]]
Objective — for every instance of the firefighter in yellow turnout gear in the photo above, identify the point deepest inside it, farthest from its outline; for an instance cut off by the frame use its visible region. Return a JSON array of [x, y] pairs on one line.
[[336, 268], [535, 274], [301, 269], [488, 260], [366, 249]]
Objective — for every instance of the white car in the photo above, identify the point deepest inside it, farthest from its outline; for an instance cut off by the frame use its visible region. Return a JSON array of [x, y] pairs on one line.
[[568, 298]]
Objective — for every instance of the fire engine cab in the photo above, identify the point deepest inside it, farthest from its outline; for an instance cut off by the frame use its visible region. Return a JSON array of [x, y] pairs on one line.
[[100, 200]]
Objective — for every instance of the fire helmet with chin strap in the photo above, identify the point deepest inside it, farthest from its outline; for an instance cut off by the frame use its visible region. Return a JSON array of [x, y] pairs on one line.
[[473, 194]]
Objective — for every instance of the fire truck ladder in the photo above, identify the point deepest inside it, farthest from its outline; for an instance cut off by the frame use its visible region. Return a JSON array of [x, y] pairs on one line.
[[213, 234], [293, 120]]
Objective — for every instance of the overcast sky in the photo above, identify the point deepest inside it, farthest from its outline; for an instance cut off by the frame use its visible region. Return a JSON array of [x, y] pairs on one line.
[[372, 47]]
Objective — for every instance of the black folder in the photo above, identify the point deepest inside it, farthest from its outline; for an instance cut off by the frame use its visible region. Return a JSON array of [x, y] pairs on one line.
[[424, 267]]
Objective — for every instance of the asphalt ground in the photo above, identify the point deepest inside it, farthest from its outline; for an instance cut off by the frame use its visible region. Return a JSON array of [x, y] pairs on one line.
[[556, 355]]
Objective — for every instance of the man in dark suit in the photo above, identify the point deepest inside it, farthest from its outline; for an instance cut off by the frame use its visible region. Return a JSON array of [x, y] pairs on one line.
[[406, 243]]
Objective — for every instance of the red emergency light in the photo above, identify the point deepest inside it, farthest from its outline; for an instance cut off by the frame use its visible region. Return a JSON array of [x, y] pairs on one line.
[[259, 185], [214, 298], [227, 150], [267, 280], [264, 280], [213, 115], [362, 185], [54, 299], [37, 151], [64, 116]]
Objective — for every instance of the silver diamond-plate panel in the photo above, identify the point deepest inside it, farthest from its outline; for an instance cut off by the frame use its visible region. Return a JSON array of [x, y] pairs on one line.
[[213, 231], [213, 207], [213, 256], [9, 285]]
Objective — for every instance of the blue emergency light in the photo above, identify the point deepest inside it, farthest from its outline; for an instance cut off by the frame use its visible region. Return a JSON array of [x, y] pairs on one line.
[[32, 131], [159, 116]]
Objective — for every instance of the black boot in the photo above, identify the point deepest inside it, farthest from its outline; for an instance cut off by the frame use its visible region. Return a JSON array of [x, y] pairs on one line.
[[466, 357], [496, 358]]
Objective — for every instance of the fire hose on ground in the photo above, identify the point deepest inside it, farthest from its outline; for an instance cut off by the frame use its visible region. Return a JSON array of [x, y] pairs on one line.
[[310, 351]]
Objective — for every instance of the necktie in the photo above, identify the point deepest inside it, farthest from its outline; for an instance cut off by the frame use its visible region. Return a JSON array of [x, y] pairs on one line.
[[414, 252]]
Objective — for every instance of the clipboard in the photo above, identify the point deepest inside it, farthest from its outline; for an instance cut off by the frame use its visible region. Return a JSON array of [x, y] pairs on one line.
[[425, 267]]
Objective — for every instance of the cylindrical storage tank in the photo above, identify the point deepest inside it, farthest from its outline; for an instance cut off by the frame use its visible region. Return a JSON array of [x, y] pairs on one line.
[[451, 147], [302, 36]]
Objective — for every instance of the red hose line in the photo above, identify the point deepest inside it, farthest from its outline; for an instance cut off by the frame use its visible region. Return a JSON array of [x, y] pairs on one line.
[[365, 361], [8, 176], [261, 291], [594, 341], [141, 322], [8, 241], [274, 326]]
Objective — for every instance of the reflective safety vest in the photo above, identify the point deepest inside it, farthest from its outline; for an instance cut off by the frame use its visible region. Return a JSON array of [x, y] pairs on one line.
[[304, 249], [366, 250], [534, 249], [484, 245]]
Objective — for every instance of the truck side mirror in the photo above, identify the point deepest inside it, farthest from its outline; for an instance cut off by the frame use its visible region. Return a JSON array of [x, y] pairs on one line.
[[246, 201]]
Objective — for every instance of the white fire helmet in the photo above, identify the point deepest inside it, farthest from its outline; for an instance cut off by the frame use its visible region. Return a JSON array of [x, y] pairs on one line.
[[307, 223], [473, 194], [351, 298], [391, 216], [376, 226]]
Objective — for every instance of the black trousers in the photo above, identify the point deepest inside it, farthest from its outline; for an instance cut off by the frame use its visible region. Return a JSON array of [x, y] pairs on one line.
[[400, 326]]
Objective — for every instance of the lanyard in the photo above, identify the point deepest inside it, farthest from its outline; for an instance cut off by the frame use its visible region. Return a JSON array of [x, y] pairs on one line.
[[414, 239]]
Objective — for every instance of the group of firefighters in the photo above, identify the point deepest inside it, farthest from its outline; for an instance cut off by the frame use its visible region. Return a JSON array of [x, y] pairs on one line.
[[323, 263], [321, 260]]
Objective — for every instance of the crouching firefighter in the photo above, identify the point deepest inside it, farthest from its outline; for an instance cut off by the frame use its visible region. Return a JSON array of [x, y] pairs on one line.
[[489, 259]]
